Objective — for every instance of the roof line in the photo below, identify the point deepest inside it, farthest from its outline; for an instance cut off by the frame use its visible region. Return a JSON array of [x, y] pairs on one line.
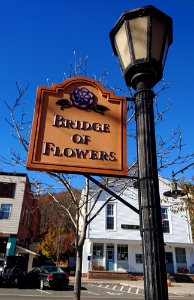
[[14, 174]]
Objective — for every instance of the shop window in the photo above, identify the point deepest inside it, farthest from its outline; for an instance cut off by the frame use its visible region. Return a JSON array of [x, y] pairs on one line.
[[122, 252], [180, 255], [5, 211], [97, 257], [165, 220], [139, 258], [98, 251], [7, 189], [122, 257]]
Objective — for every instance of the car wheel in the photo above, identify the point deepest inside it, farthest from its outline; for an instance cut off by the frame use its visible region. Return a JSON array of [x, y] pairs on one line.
[[16, 271], [42, 285]]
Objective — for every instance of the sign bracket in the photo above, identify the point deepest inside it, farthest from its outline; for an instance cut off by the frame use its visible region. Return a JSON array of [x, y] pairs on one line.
[[113, 193]]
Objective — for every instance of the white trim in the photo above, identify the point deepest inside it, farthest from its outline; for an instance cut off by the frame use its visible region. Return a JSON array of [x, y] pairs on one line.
[[180, 245]]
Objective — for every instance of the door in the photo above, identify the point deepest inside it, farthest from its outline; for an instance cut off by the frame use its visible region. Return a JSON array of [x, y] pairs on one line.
[[169, 262], [110, 258]]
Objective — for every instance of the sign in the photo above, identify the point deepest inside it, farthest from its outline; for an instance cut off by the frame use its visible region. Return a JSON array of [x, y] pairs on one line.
[[126, 226], [78, 127]]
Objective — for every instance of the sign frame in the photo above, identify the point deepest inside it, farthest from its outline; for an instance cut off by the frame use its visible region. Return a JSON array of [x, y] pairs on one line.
[[106, 114]]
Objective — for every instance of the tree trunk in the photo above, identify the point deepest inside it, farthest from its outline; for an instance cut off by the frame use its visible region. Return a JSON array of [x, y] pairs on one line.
[[78, 273]]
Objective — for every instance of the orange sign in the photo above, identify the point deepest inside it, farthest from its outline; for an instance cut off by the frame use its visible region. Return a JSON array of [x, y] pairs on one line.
[[78, 127]]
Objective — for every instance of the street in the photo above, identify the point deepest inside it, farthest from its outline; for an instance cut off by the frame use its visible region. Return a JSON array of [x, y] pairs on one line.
[[89, 292]]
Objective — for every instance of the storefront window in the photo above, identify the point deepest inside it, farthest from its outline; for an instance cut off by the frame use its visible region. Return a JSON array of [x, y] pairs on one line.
[[181, 260], [122, 252], [97, 257], [122, 257], [180, 255]]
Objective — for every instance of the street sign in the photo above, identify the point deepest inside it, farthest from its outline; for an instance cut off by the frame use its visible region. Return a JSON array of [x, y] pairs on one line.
[[78, 127], [126, 226]]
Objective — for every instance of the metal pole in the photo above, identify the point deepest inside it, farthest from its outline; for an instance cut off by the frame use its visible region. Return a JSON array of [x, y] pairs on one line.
[[155, 281]]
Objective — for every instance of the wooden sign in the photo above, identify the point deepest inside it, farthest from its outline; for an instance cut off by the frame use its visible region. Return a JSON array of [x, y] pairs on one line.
[[78, 127]]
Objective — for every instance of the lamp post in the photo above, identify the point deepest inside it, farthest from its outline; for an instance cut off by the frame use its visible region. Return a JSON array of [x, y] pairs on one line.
[[140, 39]]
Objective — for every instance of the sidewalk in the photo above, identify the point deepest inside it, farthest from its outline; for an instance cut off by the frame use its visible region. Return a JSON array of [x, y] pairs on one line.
[[177, 288]]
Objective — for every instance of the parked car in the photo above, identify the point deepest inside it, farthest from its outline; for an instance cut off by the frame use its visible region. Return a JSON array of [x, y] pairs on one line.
[[13, 269], [2, 260], [42, 261], [47, 277]]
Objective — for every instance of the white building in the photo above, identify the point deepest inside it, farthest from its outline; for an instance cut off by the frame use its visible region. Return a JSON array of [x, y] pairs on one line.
[[113, 241]]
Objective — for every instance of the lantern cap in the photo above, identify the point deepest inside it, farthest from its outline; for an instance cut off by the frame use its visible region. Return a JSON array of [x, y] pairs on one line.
[[140, 12]]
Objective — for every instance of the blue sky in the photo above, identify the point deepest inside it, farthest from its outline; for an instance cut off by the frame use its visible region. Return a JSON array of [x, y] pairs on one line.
[[38, 39]]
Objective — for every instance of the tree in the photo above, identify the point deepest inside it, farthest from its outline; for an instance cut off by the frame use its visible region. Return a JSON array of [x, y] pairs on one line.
[[189, 201], [81, 219], [57, 244], [51, 215]]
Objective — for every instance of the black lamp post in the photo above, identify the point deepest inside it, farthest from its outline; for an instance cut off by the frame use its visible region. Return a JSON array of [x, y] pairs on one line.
[[140, 39]]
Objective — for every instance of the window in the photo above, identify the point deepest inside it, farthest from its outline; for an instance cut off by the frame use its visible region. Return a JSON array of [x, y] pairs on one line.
[[122, 258], [23, 216], [7, 190], [139, 258], [97, 257], [5, 211], [122, 253], [110, 218], [98, 251], [180, 255], [28, 220], [165, 220]]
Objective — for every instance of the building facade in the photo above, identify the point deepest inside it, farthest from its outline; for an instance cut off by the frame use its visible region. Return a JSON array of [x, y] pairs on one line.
[[19, 214], [113, 240]]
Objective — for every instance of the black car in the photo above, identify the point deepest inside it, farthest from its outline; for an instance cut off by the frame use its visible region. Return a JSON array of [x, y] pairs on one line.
[[2, 261], [48, 277], [13, 269]]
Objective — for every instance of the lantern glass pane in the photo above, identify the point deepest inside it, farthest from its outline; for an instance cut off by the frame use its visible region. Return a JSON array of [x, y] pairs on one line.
[[122, 46], [158, 35], [138, 28], [165, 50]]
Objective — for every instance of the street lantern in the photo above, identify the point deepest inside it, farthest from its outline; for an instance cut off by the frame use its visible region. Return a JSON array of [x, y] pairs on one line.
[[174, 191], [140, 39]]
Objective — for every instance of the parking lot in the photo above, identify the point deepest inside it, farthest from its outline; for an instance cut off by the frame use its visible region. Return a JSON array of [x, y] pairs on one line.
[[99, 291], [89, 291]]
